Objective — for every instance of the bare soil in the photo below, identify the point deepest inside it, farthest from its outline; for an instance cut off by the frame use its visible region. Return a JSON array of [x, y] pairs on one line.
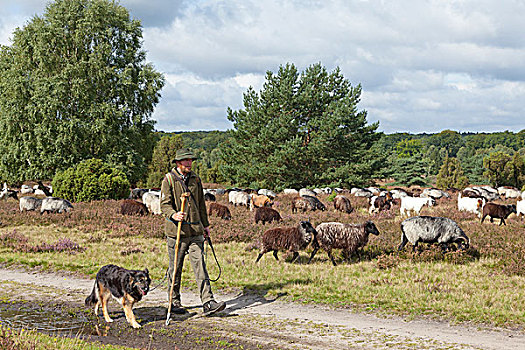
[[250, 321]]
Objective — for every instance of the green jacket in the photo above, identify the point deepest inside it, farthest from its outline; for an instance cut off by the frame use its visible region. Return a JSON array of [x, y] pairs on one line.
[[195, 207]]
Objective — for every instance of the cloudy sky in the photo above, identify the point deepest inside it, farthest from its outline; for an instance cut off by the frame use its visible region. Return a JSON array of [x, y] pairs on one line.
[[424, 65]]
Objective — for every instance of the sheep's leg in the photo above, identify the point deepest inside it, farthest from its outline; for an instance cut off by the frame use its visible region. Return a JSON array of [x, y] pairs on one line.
[[313, 253], [275, 255], [502, 221], [483, 218], [331, 257], [294, 257], [259, 257], [403, 242]]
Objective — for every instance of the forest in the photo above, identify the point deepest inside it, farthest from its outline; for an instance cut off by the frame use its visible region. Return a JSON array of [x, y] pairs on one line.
[[409, 159]]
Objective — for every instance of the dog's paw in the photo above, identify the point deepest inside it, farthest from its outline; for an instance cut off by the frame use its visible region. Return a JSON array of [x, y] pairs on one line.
[[135, 325], [109, 320]]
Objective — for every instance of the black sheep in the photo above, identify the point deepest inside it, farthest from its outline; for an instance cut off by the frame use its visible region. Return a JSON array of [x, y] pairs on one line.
[[498, 211]]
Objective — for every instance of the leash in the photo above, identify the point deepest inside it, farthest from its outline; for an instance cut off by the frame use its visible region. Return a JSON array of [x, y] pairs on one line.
[[208, 239], [161, 282]]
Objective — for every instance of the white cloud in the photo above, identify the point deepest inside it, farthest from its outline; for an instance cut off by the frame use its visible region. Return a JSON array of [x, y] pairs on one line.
[[424, 65]]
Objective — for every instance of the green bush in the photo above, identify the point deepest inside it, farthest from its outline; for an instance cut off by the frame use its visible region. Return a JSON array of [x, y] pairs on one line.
[[89, 180]]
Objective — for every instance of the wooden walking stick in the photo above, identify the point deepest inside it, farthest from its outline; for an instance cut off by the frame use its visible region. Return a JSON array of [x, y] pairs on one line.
[[175, 262]]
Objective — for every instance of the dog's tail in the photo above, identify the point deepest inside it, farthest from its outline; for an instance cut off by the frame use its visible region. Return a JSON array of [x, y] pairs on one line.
[[92, 298]]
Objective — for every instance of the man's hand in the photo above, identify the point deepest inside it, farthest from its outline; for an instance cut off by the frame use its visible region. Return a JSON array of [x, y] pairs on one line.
[[207, 232], [178, 216]]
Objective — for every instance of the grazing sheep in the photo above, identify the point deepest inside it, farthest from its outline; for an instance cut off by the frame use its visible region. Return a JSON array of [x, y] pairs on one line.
[[343, 204], [414, 204], [430, 229], [133, 207], [302, 204], [520, 207], [508, 191], [268, 193], [398, 193], [290, 191], [54, 205], [291, 239], [378, 203], [152, 201], [239, 198], [498, 211], [259, 200], [306, 192], [29, 203], [360, 192], [222, 211], [7, 193], [265, 214], [434, 193], [315, 202], [210, 197], [137, 193], [26, 189], [470, 204], [487, 192], [348, 237], [47, 190]]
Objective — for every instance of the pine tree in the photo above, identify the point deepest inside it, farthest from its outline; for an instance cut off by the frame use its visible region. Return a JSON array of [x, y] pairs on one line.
[[300, 130]]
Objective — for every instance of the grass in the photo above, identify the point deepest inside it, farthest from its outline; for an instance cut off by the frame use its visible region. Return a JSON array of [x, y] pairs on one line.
[[485, 284]]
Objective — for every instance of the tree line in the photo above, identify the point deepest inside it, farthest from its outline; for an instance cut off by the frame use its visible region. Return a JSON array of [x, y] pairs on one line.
[[445, 159]]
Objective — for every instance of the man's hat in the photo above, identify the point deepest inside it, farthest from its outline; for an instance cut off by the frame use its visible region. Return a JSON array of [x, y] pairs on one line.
[[184, 153]]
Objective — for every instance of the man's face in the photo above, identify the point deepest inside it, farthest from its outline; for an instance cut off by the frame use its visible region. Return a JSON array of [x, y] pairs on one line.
[[184, 165]]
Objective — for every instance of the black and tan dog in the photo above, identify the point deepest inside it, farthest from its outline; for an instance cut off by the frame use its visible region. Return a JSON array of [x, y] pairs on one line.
[[127, 286]]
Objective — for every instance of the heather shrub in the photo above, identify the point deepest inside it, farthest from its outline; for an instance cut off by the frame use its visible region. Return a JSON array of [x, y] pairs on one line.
[[89, 180]]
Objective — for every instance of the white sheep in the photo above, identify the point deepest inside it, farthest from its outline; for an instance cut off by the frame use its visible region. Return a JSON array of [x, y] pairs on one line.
[[239, 198], [414, 205], [520, 207], [268, 193], [54, 205], [30, 203], [471, 205], [152, 201], [290, 191], [348, 237], [307, 192]]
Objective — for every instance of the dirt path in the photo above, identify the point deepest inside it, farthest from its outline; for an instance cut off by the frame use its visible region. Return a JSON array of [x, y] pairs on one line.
[[265, 323]]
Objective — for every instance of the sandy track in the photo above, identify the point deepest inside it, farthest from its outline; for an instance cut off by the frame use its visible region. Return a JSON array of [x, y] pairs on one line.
[[294, 325]]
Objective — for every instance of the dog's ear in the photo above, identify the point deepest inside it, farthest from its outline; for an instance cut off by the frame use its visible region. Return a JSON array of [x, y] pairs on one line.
[[146, 271]]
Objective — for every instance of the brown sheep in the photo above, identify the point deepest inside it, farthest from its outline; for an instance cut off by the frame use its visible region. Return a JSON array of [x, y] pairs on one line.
[[265, 214], [348, 237], [291, 239], [133, 207], [302, 204], [343, 204], [379, 203], [222, 211], [259, 201], [498, 211]]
